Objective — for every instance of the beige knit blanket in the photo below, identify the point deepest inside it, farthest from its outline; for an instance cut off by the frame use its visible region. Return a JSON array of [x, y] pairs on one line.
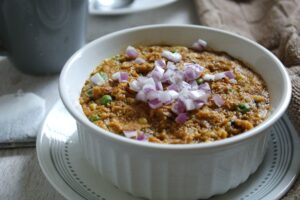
[[273, 23]]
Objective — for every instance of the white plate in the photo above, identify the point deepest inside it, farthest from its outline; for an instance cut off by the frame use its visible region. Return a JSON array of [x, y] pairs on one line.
[[136, 6], [62, 162]]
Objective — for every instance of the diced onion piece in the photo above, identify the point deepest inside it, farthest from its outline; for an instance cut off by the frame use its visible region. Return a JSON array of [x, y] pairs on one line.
[[194, 85], [174, 57], [134, 85], [120, 76], [189, 104], [130, 134], [209, 77], [141, 96], [155, 103], [177, 77], [167, 75], [142, 137], [181, 118], [196, 67], [190, 74], [200, 45], [219, 76], [173, 94], [204, 86], [160, 63], [178, 107], [123, 77], [218, 100], [148, 88], [229, 74], [159, 85], [171, 65], [174, 87], [198, 95], [139, 60], [157, 73], [165, 97], [131, 52], [97, 79]]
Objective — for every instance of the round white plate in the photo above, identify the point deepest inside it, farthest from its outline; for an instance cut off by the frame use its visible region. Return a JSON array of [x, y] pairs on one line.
[[62, 162], [136, 6]]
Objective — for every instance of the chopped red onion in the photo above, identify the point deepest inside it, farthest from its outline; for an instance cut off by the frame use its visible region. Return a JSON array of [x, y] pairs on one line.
[[204, 86], [130, 134], [177, 77], [165, 97], [194, 85], [155, 103], [148, 88], [229, 74], [157, 73], [171, 65], [174, 87], [160, 63], [152, 95], [120, 76], [194, 66], [199, 45], [178, 107], [218, 100], [139, 60], [198, 95], [97, 79], [181, 118], [190, 74], [173, 94], [219, 76], [123, 77], [159, 85], [188, 103], [141, 96], [209, 77], [146, 81], [142, 137], [198, 104], [184, 85], [134, 85], [174, 57], [167, 75], [131, 52]]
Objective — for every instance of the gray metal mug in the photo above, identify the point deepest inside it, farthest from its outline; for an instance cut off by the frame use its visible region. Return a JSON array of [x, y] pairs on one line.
[[40, 35]]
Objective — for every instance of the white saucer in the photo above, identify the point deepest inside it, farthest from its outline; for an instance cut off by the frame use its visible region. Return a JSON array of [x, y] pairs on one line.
[[63, 164], [136, 6]]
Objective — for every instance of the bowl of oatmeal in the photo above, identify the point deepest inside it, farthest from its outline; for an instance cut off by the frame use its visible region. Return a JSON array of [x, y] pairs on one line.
[[174, 111]]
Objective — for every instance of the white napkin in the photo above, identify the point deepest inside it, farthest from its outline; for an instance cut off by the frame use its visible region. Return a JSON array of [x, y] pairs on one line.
[[20, 117]]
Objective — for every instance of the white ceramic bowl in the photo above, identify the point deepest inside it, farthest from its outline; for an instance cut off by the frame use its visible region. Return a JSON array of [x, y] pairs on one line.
[[157, 171]]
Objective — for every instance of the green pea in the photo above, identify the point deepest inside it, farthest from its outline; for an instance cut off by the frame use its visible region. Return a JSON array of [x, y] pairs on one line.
[[105, 100], [199, 80], [244, 107], [231, 90], [94, 118]]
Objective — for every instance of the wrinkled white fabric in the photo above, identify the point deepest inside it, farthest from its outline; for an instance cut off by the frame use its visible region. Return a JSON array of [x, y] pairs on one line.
[[20, 116]]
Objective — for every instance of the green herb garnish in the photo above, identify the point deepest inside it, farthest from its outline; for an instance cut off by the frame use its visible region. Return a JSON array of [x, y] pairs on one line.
[[244, 107], [94, 118], [89, 93]]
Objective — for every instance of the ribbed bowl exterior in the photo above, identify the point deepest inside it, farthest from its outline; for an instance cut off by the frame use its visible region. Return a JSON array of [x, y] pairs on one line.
[[169, 173]]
